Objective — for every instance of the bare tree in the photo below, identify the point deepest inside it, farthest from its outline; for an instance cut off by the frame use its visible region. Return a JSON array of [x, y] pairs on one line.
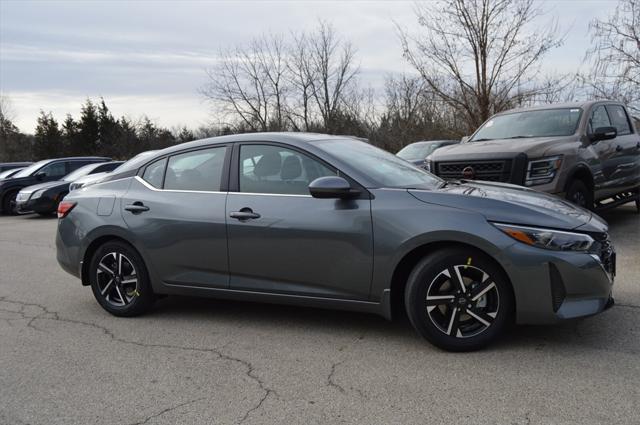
[[615, 55], [248, 84], [331, 72], [480, 56]]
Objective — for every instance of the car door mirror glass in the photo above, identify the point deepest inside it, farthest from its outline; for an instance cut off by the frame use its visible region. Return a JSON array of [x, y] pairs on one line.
[[332, 187], [604, 133], [41, 175]]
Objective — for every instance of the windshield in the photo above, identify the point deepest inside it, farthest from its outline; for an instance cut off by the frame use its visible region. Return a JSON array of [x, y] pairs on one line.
[[520, 125], [82, 171], [386, 169], [418, 150], [31, 169]]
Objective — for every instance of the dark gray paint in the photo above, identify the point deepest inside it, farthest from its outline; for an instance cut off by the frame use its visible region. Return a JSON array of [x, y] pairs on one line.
[[324, 252]]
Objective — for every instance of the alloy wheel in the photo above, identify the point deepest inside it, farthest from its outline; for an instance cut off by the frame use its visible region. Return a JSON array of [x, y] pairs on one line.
[[462, 301], [117, 279]]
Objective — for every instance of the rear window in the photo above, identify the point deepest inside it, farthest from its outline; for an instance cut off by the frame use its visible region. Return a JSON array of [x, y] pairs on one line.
[[154, 173], [619, 119]]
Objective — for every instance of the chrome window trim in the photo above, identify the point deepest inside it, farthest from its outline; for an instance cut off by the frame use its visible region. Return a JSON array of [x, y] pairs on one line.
[[155, 189], [148, 186]]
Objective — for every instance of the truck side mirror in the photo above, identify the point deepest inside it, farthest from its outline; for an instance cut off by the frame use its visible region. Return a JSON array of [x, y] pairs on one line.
[[604, 133]]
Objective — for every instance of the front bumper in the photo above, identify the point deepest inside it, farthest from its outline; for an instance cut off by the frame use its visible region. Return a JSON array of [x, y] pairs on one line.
[[551, 286], [41, 205]]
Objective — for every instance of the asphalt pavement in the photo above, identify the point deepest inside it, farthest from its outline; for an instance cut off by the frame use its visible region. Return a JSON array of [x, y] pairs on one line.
[[63, 360]]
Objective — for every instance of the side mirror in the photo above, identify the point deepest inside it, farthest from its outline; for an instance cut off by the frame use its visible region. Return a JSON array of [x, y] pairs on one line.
[[604, 133], [332, 187], [41, 175], [464, 139]]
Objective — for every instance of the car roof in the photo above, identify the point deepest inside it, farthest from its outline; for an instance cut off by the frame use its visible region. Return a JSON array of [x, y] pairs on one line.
[[583, 105], [292, 138]]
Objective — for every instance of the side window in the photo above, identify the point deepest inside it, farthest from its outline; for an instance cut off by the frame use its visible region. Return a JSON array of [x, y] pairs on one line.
[[197, 170], [599, 118], [154, 173], [278, 170], [619, 119], [74, 165], [56, 169]]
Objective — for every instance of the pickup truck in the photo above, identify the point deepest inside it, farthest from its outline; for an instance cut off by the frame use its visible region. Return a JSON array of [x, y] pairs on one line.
[[588, 153]]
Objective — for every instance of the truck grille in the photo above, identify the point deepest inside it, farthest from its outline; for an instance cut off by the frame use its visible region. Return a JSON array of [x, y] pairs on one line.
[[494, 170]]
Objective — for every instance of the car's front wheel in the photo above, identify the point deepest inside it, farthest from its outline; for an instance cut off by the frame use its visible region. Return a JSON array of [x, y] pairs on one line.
[[579, 194], [458, 299], [8, 203], [120, 281]]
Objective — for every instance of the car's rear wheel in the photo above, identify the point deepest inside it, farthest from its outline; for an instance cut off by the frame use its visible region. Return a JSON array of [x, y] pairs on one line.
[[120, 281], [458, 299], [579, 194], [8, 202]]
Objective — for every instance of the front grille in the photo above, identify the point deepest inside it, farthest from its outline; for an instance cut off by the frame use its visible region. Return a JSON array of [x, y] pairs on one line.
[[493, 170], [607, 254]]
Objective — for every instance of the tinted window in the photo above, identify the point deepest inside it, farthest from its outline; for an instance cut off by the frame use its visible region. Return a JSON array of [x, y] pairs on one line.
[[154, 173], [599, 118], [197, 170], [74, 165], [274, 169], [56, 169], [619, 119]]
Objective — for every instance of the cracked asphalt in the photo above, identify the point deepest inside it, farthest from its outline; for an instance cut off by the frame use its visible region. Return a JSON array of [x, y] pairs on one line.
[[63, 360]]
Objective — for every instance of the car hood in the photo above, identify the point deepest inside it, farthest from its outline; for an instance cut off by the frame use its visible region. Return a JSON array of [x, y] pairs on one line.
[[507, 203], [503, 148], [45, 185]]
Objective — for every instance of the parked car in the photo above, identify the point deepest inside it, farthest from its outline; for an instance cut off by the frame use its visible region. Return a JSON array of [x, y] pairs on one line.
[[4, 166], [43, 171], [90, 179], [586, 152], [43, 198], [417, 153], [10, 172], [327, 221]]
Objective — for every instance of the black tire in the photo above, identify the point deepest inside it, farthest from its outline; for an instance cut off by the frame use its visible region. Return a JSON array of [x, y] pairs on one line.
[[7, 203], [121, 297], [579, 194], [447, 319]]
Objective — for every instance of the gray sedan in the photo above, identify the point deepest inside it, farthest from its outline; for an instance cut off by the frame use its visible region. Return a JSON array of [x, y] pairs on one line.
[[334, 222]]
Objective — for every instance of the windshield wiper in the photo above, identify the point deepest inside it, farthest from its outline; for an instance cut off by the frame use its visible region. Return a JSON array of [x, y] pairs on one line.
[[518, 137], [481, 140]]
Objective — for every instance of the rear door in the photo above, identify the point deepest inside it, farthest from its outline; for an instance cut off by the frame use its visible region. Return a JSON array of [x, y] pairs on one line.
[[627, 146], [176, 209], [606, 169], [290, 242]]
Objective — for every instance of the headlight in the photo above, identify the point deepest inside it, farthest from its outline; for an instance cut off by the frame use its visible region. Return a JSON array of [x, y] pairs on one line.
[[548, 239], [37, 194], [542, 171], [427, 165]]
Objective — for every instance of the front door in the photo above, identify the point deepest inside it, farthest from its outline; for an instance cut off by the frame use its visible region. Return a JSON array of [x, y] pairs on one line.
[[176, 211], [283, 240]]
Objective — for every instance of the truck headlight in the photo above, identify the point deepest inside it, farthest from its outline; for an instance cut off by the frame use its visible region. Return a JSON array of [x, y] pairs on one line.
[[548, 239], [542, 171]]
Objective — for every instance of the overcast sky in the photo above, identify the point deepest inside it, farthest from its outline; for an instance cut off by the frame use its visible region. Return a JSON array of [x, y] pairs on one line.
[[148, 57]]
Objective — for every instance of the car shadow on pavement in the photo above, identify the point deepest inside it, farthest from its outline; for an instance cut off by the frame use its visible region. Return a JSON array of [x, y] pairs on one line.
[[605, 332]]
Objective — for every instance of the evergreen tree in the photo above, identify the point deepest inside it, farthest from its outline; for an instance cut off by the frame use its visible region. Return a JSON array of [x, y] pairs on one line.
[[48, 137], [89, 131]]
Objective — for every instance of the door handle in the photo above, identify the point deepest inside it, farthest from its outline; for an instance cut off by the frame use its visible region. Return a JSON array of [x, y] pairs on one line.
[[136, 208], [244, 214], [618, 148]]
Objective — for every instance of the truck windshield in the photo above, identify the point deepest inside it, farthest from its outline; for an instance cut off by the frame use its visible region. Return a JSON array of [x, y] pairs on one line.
[[522, 125]]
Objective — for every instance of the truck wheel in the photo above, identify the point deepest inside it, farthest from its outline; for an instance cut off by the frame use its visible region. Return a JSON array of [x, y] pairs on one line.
[[579, 194]]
